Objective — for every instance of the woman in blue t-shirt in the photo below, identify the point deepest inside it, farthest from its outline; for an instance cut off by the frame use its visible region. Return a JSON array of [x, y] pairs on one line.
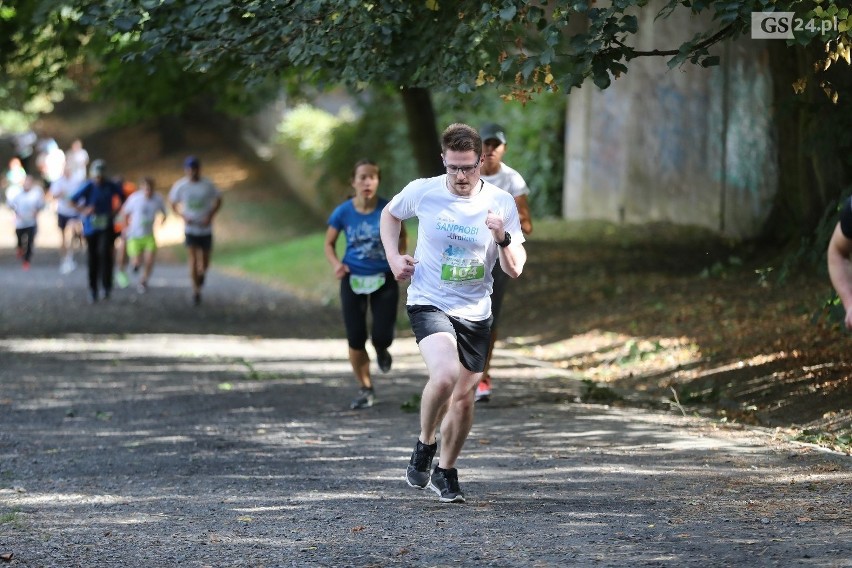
[[365, 276]]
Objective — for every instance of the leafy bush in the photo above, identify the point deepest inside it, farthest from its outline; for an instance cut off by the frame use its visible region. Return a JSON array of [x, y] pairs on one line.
[[535, 134], [380, 133], [310, 130], [378, 130]]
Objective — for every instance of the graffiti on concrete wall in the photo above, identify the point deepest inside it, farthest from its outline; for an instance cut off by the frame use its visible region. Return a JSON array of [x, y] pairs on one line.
[[751, 171], [693, 147]]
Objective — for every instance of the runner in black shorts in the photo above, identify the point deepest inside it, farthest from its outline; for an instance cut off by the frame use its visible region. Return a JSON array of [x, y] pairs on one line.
[[472, 337], [465, 225], [196, 200], [203, 242]]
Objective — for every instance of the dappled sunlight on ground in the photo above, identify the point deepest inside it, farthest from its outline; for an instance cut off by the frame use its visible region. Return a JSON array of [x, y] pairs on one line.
[[606, 356], [244, 364], [196, 441]]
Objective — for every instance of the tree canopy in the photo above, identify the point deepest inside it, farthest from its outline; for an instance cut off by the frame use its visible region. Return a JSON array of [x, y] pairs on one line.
[[521, 46], [158, 56]]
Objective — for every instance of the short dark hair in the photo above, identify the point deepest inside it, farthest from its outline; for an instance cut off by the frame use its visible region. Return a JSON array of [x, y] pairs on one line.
[[365, 162], [460, 137]]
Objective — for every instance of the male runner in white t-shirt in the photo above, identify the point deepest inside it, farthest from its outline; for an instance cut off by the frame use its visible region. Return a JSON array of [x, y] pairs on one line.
[[78, 159], [68, 218], [508, 179], [465, 226]]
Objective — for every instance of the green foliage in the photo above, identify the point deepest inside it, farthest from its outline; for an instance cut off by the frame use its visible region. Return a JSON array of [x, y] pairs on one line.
[[636, 352], [11, 517], [831, 311], [160, 57], [720, 269], [14, 121], [811, 253], [252, 374], [380, 133], [39, 40], [521, 47], [535, 132], [840, 442], [310, 130]]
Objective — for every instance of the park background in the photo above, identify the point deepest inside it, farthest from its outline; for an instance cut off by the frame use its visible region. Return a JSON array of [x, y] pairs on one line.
[[650, 303]]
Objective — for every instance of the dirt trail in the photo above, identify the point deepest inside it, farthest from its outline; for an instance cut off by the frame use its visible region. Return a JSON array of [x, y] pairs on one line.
[[144, 431]]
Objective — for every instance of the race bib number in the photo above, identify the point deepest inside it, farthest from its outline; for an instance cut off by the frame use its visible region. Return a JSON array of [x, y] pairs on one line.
[[100, 222], [366, 284], [462, 273]]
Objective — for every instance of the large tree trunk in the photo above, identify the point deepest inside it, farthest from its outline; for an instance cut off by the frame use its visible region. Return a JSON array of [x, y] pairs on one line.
[[813, 147], [423, 131]]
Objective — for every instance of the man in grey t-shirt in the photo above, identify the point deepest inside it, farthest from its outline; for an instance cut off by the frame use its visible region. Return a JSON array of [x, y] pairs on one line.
[[196, 200]]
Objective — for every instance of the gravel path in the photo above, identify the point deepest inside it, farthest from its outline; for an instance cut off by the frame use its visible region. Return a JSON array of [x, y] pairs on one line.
[[147, 432]]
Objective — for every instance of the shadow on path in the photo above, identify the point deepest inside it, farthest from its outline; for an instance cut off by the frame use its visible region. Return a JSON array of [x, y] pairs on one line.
[[147, 432], [43, 302]]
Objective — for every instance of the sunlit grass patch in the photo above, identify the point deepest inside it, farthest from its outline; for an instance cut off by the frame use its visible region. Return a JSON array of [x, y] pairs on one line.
[[297, 264]]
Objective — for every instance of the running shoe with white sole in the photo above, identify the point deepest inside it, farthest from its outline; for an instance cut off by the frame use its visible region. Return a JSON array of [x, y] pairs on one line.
[[365, 399], [417, 473], [445, 482]]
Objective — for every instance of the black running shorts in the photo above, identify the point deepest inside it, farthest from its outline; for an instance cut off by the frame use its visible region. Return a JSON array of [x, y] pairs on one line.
[[472, 337]]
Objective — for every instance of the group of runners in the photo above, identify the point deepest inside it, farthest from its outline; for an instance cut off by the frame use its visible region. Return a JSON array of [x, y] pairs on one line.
[[472, 225], [472, 222], [114, 217]]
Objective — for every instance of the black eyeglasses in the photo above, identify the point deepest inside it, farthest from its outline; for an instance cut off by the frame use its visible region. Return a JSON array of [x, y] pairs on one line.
[[453, 169]]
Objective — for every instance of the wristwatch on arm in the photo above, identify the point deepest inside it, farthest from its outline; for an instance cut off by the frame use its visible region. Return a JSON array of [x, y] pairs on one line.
[[507, 240]]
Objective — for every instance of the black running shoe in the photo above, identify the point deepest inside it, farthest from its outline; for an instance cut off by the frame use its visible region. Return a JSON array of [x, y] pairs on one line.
[[365, 399], [385, 360], [417, 474], [445, 482]]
